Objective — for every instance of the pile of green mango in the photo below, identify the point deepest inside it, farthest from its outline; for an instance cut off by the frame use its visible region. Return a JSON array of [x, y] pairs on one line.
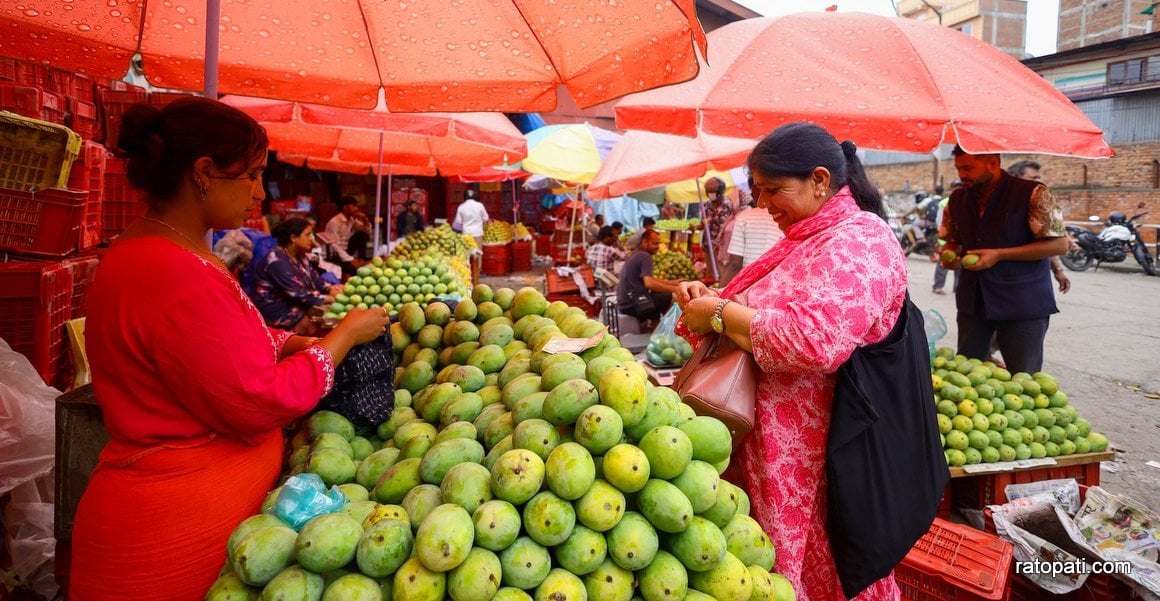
[[509, 473]]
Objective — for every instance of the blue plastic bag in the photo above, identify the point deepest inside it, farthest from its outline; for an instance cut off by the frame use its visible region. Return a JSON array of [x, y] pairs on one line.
[[304, 497]]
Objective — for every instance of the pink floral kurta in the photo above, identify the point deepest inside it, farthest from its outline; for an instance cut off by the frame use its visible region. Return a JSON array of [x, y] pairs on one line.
[[836, 282]]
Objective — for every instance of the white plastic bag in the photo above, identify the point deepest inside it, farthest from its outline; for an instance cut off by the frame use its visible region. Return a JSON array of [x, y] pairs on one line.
[[29, 538], [27, 421]]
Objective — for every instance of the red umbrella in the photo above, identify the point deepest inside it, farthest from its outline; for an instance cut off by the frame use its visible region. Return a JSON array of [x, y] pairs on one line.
[[426, 55], [492, 174], [887, 83], [453, 143], [644, 160], [341, 166]]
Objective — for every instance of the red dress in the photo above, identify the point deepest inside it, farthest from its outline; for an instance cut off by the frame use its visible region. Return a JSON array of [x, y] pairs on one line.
[[194, 392]]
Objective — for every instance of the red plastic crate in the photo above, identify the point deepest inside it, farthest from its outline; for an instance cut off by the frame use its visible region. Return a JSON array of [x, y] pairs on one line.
[[121, 204], [977, 492], [35, 299], [497, 259], [522, 255], [44, 224], [955, 563], [84, 89], [160, 99], [8, 68], [82, 117], [32, 102], [60, 82], [112, 106], [544, 245], [32, 74], [88, 174], [560, 254]]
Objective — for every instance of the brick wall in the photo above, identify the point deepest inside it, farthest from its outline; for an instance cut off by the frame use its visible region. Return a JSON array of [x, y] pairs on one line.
[[1087, 22], [1115, 184]]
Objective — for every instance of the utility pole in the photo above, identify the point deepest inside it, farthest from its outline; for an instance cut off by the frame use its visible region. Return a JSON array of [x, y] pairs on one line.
[[933, 10]]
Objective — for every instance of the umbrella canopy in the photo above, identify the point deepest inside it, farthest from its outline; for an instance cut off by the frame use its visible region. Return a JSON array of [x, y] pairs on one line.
[[341, 166], [426, 141], [885, 82], [568, 153], [645, 159], [690, 190], [426, 55], [492, 174]]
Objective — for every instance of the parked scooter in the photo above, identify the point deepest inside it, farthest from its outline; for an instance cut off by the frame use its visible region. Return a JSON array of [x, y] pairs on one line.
[[1112, 244]]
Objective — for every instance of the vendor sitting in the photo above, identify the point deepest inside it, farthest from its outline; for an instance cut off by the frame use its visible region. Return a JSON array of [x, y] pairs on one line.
[[286, 285], [604, 254], [639, 294]]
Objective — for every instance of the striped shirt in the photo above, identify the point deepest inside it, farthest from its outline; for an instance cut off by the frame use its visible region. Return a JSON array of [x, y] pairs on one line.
[[754, 232]]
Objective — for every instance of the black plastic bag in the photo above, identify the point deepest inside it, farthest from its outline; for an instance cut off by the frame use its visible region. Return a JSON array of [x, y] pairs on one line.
[[364, 389], [885, 468]]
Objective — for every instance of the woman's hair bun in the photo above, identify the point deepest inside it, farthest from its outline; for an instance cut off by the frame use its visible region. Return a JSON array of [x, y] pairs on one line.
[[849, 149], [140, 131]]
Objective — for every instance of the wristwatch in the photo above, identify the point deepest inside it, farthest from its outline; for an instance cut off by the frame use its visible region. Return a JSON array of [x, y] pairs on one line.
[[717, 322]]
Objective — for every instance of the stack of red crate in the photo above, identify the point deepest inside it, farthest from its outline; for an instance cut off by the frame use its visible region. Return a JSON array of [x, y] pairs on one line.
[[122, 203], [46, 221]]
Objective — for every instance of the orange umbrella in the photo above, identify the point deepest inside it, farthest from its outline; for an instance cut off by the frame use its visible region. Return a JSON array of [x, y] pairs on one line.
[[341, 166], [644, 160], [452, 143], [887, 83], [426, 55]]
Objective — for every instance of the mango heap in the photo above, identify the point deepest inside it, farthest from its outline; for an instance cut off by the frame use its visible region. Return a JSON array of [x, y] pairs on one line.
[[442, 238], [498, 232], [393, 282], [678, 225], [668, 350], [986, 414], [674, 266], [522, 232], [509, 473]]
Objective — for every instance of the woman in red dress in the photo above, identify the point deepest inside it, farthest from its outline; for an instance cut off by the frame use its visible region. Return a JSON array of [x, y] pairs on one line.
[[194, 387]]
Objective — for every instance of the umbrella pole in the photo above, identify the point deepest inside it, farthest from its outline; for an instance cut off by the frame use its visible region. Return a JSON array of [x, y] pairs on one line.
[[378, 195], [706, 234], [213, 13]]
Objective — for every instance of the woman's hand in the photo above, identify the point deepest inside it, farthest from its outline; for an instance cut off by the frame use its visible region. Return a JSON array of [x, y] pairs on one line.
[[364, 325], [334, 290], [697, 313], [693, 289], [328, 299]]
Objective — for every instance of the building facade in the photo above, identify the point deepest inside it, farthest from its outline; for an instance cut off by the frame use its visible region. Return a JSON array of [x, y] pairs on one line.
[[1084, 23], [1000, 23], [712, 13]]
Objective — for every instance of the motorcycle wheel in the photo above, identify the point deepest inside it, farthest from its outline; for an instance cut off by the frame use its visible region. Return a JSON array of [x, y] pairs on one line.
[[1077, 260], [1144, 259]]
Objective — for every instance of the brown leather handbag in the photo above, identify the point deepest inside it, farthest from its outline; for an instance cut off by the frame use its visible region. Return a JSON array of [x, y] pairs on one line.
[[720, 380]]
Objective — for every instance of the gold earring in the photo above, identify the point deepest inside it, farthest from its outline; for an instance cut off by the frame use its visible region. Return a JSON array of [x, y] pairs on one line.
[[204, 192]]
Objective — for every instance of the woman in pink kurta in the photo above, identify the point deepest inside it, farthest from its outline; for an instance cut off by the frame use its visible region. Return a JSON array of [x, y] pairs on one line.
[[194, 387], [835, 283]]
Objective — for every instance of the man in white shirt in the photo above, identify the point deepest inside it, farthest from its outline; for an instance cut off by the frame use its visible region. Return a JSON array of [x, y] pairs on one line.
[[471, 216], [754, 232], [350, 229]]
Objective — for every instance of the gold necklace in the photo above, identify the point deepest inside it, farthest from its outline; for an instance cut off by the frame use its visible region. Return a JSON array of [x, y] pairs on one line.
[[197, 248]]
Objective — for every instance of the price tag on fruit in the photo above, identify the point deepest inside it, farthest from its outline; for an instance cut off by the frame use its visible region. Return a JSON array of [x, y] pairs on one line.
[[573, 345]]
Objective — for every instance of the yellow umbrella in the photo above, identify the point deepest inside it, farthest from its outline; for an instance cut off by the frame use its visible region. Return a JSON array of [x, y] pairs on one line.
[[568, 153], [685, 191]]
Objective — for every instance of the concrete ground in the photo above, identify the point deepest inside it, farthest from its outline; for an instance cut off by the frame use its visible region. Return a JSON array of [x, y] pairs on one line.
[[1102, 347]]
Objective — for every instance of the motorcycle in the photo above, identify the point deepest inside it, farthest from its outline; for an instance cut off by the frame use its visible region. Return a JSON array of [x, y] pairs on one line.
[[1110, 245], [918, 238]]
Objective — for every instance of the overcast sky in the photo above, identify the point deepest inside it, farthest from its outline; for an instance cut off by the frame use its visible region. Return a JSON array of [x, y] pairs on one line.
[[1042, 15]]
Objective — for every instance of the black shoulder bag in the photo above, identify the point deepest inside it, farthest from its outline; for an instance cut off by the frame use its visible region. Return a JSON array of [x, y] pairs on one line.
[[885, 467]]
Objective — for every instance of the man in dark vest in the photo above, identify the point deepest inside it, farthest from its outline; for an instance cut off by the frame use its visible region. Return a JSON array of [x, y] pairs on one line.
[[1013, 227]]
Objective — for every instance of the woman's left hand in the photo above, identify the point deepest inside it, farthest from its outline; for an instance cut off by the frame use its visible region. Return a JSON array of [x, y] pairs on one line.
[[697, 313], [334, 290]]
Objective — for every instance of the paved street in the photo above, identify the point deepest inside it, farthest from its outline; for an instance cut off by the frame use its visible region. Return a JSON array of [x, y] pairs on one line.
[[1102, 347]]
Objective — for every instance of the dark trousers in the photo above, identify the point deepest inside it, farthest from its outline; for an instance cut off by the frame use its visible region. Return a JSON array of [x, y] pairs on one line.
[[357, 247], [662, 301], [1020, 341], [940, 277]]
